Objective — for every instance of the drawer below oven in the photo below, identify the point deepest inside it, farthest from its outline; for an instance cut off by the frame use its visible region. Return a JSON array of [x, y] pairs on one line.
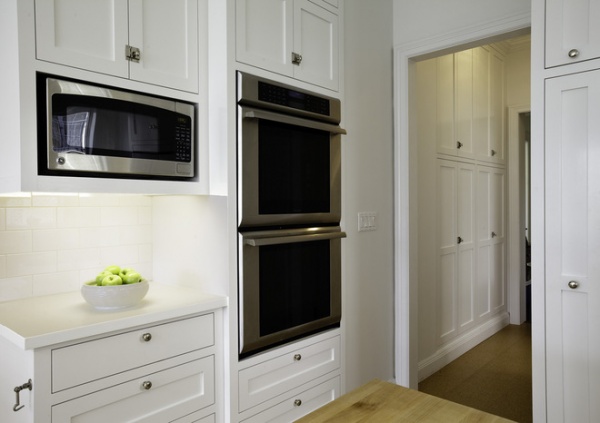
[[77, 364], [300, 404], [273, 377]]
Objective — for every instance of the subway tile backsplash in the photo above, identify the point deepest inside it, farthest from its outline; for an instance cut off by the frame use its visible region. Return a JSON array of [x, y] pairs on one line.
[[52, 243]]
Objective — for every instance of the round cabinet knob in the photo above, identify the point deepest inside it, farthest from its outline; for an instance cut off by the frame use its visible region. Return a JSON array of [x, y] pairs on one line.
[[147, 385], [297, 357], [147, 337], [573, 284], [298, 402], [573, 53]]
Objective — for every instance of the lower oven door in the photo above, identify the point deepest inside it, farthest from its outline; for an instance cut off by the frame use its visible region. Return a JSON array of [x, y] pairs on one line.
[[289, 285]]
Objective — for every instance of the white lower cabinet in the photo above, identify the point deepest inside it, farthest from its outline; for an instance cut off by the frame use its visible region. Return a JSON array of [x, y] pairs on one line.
[[288, 383], [299, 404], [161, 396], [163, 372]]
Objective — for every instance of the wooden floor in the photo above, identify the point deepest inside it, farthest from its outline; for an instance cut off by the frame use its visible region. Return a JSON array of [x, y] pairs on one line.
[[384, 402], [494, 377]]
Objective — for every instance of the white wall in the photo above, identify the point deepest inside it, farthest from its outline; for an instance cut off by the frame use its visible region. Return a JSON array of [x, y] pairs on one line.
[[52, 243], [422, 19], [368, 187]]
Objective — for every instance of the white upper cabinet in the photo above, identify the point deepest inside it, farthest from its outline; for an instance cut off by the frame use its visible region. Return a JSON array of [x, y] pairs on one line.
[[470, 104], [295, 38], [151, 41], [572, 31]]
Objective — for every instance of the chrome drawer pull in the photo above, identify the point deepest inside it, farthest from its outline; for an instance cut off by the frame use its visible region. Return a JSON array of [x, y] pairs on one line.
[[147, 385], [147, 337]]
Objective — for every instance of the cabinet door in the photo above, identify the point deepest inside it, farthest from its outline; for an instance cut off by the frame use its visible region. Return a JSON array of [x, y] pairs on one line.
[[481, 102], [166, 32], [491, 295], [444, 108], [489, 104], [86, 34], [456, 262], [572, 31], [316, 40], [463, 108], [497, 101], [264, 35], [572, 211], [158, 397]]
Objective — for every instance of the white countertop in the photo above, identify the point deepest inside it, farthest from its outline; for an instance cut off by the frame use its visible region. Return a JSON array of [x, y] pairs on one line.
[[41, 321]]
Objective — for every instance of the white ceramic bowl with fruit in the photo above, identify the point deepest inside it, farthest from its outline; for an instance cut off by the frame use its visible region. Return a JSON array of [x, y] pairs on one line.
[[115, 288]]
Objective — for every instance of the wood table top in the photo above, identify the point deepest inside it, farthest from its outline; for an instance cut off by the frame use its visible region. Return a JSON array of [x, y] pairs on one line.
[[383, 402]]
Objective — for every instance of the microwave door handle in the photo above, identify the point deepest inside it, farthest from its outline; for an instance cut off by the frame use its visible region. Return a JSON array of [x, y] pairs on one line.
[[276, 117], [259, 242]]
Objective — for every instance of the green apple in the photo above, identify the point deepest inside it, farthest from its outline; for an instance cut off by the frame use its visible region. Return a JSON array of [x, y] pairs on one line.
[[131, 277], [112, 280], [101, 276], [125, 270], [115, 270]]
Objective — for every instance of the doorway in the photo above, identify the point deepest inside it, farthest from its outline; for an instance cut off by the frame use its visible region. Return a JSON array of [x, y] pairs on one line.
[[407, 363]]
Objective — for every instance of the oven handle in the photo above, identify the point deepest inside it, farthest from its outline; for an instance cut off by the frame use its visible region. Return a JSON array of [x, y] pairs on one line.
[[276, 117], [259, 242]]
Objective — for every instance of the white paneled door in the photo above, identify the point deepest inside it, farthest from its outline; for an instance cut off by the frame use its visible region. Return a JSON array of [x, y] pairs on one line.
[[457, 261], [573, 247]]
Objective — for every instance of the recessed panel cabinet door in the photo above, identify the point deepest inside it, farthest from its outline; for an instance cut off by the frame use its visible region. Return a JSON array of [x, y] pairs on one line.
[[456, 240], [86, 34], [573, 247], [264, 34], [316, 40], [166, 32], [572, 31]]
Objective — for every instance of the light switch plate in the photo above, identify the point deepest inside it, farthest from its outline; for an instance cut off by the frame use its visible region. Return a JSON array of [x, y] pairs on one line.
[[367, 221]]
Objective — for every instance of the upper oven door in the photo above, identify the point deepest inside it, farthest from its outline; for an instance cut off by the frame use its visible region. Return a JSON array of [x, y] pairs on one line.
[[288, 169]]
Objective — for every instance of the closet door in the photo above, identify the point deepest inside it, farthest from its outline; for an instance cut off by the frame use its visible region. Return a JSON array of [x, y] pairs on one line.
[[463, 103], [456, 235], [491, 292], [573, 247]]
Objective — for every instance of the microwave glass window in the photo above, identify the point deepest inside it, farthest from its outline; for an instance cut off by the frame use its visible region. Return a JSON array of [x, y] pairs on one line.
[[109, 127], [294, 284], [294, 169]]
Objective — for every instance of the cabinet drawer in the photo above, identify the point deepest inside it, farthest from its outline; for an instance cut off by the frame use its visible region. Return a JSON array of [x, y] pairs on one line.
[[77, 364], [270, 378], [174, 392], [299, 405]]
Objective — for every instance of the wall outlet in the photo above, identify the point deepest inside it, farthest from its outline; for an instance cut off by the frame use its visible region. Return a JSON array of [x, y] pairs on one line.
[[367, 221]]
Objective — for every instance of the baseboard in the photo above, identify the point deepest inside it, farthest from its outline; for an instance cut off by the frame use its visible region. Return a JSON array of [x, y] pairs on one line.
[[461, 345]]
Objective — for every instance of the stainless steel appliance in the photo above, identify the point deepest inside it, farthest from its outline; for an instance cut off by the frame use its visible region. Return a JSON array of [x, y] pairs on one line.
[[91, 130], [289, 208], [289, 155]]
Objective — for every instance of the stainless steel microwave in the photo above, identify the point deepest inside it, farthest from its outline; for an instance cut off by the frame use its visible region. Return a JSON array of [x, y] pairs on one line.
[[91, 130]]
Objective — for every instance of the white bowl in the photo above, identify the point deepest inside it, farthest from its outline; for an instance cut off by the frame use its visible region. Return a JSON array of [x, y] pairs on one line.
[[114, 296]]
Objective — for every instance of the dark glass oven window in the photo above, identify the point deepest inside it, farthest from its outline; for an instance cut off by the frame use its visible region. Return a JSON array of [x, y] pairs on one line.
[[294, 169], [294, 285]]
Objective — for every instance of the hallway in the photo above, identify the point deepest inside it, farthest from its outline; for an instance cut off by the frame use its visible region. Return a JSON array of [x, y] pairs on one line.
[[495, 376]]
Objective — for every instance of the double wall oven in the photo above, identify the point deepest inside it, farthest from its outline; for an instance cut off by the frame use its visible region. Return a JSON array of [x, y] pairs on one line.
[[289, 209]]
